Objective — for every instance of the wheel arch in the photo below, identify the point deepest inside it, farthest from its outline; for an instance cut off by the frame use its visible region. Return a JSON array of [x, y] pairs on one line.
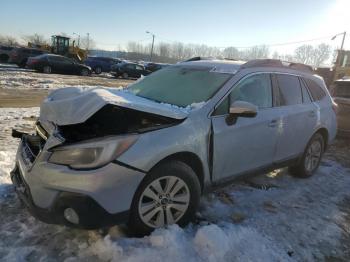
[[324, 132], [190, 159]]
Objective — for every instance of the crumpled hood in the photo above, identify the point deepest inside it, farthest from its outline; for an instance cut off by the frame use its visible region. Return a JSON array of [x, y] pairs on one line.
[[73, 105]]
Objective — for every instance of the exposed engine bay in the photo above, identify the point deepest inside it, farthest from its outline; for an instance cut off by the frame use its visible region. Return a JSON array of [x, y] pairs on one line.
[[115, 120]]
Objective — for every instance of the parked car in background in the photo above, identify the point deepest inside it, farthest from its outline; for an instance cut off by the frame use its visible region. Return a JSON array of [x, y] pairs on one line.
[[101, 64], [341, 94], [128, 69], [5, 52], [145, 156], [49, 63], [155, 66], [20, 55]]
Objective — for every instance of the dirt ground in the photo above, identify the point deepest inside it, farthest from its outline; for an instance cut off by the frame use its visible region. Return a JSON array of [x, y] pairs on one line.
[[26, 88]]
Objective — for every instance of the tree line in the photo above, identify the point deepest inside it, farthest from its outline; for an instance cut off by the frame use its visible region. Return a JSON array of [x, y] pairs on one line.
[[177, 51]]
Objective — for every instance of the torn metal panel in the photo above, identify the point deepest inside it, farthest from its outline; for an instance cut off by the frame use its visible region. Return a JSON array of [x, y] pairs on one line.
[[75, 105]]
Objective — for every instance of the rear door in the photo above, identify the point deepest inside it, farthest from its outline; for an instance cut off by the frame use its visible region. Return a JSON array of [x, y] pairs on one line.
[[298, 116], [249, 143]]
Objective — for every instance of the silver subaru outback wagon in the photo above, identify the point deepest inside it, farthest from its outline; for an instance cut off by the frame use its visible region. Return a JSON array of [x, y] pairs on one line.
[[145, 154]]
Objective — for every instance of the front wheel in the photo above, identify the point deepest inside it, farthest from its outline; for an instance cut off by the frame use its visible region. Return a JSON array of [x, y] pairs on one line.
[[47, 69], [168, 195], [84, 72], [311, 158], [98, 70], [125, 75]]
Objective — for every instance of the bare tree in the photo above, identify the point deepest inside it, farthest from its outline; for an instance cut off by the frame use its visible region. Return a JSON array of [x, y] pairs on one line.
[[87, 42], [35, 39], [303, 54], [8, 40], [255, 52], [231, 52], [321, 53]]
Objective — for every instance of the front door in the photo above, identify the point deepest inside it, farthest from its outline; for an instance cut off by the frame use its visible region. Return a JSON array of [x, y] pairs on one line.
[[249, 143]]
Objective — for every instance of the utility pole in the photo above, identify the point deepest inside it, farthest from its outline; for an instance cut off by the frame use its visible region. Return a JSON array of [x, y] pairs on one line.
[[342, 42], [78, 38], [88, 42], [153, 36]]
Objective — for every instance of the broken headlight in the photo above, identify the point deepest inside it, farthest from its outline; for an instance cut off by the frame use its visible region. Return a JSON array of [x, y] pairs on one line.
[[93, 153]]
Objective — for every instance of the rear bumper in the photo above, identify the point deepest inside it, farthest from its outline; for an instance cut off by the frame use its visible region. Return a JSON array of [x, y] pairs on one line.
[[91, 214]]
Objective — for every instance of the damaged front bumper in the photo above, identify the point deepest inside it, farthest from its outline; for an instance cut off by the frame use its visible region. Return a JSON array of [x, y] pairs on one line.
[[99, 196]]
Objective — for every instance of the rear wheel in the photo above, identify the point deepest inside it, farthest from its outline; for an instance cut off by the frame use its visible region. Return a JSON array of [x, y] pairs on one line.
[[47, 69], [311, 158], [168, 195], [98, 70], [84, 72]]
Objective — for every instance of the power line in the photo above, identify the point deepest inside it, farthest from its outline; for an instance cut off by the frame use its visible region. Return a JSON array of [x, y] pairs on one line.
[[286, 43]]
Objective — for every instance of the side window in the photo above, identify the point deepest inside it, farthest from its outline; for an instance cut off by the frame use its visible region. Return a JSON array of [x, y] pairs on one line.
[[306, 96], [222, 109], [289, 89], [255, 89], [139, 67], [315, 89]]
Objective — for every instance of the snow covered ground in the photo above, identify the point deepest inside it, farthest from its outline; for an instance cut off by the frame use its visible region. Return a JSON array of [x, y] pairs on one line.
[[273, 217], [12, 76]]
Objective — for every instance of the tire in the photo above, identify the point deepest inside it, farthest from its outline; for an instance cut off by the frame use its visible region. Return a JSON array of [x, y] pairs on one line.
[[184, 194], [84, 72], [98, 70], [311, 158], [4, 58], [125, 75], [23, 63], [47, 69]]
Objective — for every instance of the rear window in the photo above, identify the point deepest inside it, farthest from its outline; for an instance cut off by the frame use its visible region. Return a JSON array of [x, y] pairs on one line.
[[315, 89], [289, 90]]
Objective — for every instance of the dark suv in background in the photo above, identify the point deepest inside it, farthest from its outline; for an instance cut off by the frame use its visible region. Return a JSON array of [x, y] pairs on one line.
[[128, 69], [19, 56], [101, 64]]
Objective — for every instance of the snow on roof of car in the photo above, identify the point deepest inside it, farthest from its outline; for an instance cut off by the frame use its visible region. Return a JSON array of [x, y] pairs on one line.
[[219, 66]]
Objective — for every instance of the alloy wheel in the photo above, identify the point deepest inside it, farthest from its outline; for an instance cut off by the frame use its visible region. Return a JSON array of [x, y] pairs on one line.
[[313, 155], [164, 201]]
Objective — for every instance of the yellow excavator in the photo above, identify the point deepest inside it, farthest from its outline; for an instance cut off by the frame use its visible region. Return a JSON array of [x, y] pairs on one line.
[[342, 64], [60, 45]]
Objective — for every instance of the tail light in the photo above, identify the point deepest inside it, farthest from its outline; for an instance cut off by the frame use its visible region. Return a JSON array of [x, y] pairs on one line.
[[33, 61]]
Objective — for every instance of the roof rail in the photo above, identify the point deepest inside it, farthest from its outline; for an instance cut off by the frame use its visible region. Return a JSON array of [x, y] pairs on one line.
[[277, 63]]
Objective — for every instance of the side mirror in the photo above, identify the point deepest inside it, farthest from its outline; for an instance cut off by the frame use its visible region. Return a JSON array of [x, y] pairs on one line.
[[241, 109]]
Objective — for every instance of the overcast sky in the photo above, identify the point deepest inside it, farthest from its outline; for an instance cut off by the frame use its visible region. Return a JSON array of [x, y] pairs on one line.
[[215, 23]]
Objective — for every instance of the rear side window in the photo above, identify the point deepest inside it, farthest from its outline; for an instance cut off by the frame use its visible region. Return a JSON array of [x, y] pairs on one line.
[[289, 90], [306, 96], [315, 89]]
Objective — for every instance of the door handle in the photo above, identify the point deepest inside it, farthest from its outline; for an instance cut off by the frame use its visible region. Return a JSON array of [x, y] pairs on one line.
[[273, 123]]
